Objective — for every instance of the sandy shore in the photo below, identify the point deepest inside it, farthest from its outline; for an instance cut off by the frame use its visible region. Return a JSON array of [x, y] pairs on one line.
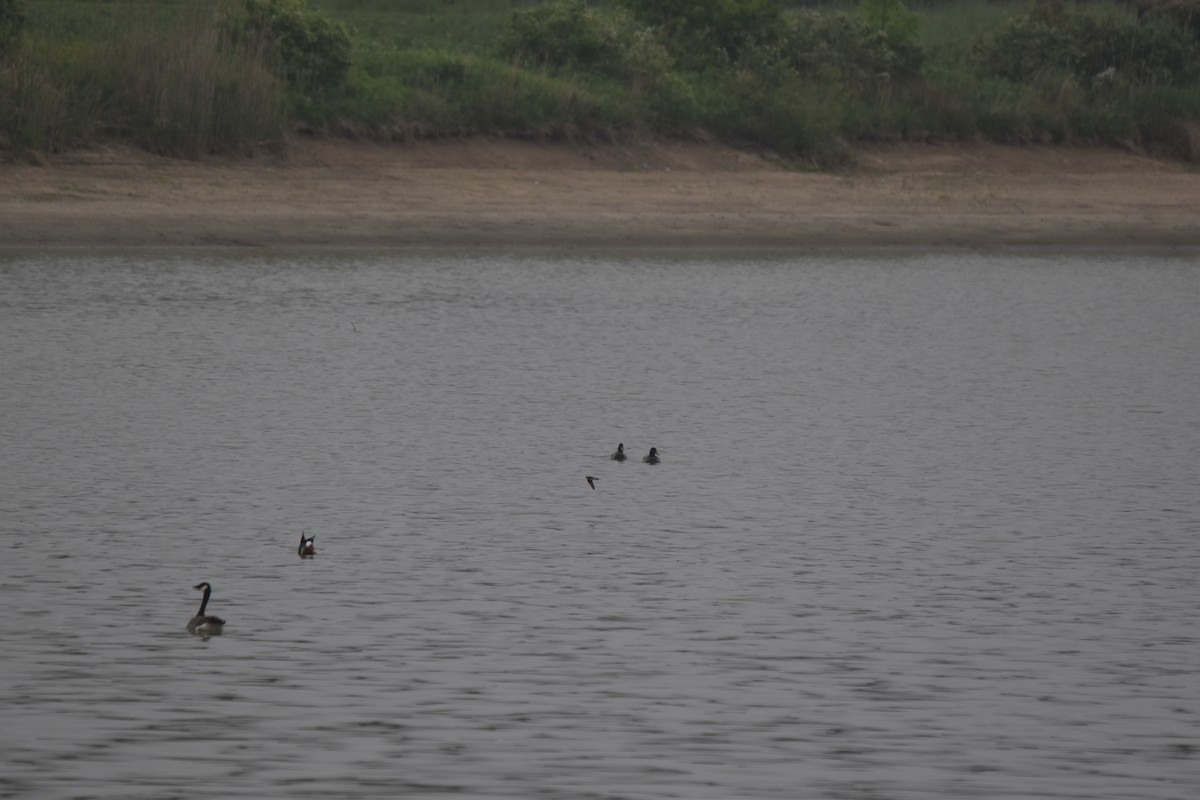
[[489, 194]]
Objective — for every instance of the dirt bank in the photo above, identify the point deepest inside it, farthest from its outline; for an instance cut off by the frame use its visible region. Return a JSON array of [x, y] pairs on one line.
[[519, 194]]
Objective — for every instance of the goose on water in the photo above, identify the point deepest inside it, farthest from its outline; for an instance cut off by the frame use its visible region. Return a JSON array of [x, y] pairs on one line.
[[205, 624]]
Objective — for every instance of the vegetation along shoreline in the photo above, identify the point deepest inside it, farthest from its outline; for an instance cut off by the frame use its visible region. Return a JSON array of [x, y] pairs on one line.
[[808, 82]]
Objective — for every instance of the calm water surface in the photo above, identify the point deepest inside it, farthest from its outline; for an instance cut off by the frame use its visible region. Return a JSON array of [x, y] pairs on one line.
[[924, 528]]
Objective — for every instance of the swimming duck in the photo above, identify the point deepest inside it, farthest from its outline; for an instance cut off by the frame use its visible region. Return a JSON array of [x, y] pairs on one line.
[[204, 624], [306, 546], [620, 454], [652, 456]]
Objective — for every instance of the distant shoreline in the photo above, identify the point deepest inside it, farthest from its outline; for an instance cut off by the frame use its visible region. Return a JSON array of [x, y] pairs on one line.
[[499, 194]]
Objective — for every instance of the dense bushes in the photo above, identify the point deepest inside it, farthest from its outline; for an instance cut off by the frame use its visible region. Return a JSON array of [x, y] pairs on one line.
[[309, 50], [12, 20], [704, 29], [846, 48], [757, 75], [571, 36], [796, 78], [1183, 13], [1055, 40]]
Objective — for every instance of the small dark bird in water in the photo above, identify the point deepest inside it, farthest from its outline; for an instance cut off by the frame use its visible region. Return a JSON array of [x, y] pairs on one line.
[[592, 482], [204, 624], [306, 546], [620, 454], [652, 456]]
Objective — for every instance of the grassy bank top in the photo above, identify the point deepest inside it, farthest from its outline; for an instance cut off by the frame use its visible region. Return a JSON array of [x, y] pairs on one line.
[[190, 77]]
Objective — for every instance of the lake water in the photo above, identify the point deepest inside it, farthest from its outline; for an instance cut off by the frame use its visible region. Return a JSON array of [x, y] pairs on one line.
[[925, 527]]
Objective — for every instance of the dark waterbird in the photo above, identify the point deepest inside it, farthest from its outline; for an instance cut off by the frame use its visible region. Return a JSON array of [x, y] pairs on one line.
[[204, 624], [592, 482], [652, 456], [620, 454], [306, 546]]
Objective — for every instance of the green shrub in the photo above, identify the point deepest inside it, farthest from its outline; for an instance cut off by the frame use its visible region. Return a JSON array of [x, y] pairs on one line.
[[1184, 13], [1058, 39], [898, 24], [569, 35], [704, 28], [311, 51], [1035, 41], [1152, 51], [791, 116], [848, 48], [12, 21], [901, 30]]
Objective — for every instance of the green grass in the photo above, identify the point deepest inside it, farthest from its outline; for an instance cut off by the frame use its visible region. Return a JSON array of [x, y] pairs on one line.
[[453, 26], [177, 81], [168, 79], [948, 32]]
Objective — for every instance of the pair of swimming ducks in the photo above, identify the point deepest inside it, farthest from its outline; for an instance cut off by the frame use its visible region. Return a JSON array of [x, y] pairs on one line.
[[649, 458], [204, 624]]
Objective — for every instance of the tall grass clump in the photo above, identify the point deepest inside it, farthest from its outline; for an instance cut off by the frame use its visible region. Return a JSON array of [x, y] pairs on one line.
[[170, 79], [12, 22], [196, 92]]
